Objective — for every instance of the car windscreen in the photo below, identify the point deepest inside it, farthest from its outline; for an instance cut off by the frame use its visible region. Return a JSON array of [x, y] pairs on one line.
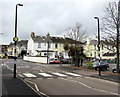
[[96, 63]]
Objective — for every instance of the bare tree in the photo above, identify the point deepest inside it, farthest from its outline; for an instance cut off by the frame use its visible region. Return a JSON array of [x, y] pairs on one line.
[[111, 25], [77, 33]]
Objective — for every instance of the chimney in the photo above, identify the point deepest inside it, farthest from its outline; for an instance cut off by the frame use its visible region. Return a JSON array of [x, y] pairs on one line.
[[32, 35]]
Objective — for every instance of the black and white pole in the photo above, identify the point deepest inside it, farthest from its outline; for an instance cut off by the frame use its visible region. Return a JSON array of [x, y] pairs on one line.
[[15, 39]]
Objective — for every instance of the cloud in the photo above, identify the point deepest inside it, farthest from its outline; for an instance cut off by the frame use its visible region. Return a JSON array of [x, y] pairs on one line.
[[53, 17]]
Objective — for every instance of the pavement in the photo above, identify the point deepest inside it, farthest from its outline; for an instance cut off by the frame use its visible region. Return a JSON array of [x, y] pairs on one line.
[[15, 87], [106, 75]]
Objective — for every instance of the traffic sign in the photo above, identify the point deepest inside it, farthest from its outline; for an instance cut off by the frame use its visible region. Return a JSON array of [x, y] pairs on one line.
[[15, 39]]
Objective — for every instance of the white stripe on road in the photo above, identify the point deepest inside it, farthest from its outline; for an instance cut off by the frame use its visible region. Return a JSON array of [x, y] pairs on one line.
[[59, 74], [90, 86], [45, 74], [73, 74], [29, 75]]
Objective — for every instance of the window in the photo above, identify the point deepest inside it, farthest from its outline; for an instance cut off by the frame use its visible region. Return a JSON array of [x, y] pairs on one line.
[[39, 45], [90, 54], [95, 55], [60, 44], [94, 47], [45, 54], [49, 45], [56, 53], [102, 47], [56, 45]]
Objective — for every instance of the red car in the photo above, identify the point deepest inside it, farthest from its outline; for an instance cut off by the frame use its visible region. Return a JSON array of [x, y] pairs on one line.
[[54, 61]]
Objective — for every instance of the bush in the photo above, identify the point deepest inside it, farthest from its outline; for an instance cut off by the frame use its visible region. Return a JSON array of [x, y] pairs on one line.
[[90, 65]]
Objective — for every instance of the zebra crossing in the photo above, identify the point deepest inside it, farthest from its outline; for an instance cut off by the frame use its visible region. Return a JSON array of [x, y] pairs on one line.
[[48, 75]]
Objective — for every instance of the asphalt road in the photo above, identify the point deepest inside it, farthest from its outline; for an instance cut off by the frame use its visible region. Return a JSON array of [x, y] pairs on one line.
[[49, 80]]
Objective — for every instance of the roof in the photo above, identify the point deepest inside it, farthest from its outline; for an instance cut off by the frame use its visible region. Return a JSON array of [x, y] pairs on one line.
[[95, 42], [19, 43], [55, 40], [41, 39], [64, 40], [109, 54], [3, 45], [44, 50]]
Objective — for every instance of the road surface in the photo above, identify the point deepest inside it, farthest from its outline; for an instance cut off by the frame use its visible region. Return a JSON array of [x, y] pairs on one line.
[[49, 80]]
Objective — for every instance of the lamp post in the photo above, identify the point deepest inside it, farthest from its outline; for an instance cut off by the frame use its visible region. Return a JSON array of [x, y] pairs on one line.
[[98, 43], [15, 39]]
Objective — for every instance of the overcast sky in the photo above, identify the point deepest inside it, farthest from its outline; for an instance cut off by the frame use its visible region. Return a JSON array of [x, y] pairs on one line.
[[50, 16]]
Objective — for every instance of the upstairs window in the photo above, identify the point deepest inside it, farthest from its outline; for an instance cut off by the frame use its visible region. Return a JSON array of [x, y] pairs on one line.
[[49, 45], [39, 45], [56, 45], [94, 47]]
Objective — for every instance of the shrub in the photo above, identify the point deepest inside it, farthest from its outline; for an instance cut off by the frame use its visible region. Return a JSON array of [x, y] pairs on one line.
[[90, 65]]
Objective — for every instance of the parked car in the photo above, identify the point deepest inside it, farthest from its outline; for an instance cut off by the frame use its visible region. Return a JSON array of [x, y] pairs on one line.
[[103, 65], [65, 61], [54, 61], [114, 70]]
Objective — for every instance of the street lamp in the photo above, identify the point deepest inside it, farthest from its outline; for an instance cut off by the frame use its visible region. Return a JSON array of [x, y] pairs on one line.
[[98, 43], [15, 39]]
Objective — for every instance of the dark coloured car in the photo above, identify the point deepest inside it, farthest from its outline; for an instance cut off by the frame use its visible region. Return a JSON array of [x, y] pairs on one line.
[[65, 61], [103, 65], [114, 70]]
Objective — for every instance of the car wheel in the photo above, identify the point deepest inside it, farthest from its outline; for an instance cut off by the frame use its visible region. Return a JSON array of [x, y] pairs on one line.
[[106, 68], [96, 69], [113, 71]]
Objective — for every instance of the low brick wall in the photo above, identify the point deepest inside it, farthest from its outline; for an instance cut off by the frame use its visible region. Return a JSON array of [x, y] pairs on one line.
[[35, 59]]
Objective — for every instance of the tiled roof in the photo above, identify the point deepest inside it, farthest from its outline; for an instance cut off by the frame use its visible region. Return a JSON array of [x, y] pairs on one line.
[[64, 40], [19, 43], [109, 54], [94, 42], [41, 39], [55, 40]]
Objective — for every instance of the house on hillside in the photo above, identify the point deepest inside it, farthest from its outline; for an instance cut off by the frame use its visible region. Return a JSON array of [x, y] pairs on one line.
[[21, 45], [48, 45]]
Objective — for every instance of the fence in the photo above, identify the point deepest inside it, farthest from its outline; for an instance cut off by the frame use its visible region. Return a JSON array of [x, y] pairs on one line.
[[35, 59]]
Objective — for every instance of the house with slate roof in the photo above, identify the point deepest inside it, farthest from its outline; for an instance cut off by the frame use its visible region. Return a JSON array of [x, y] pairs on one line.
[[53, 46]]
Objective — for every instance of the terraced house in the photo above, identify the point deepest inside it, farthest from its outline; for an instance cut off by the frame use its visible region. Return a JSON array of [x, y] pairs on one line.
[[48, 45], [91, 50]]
